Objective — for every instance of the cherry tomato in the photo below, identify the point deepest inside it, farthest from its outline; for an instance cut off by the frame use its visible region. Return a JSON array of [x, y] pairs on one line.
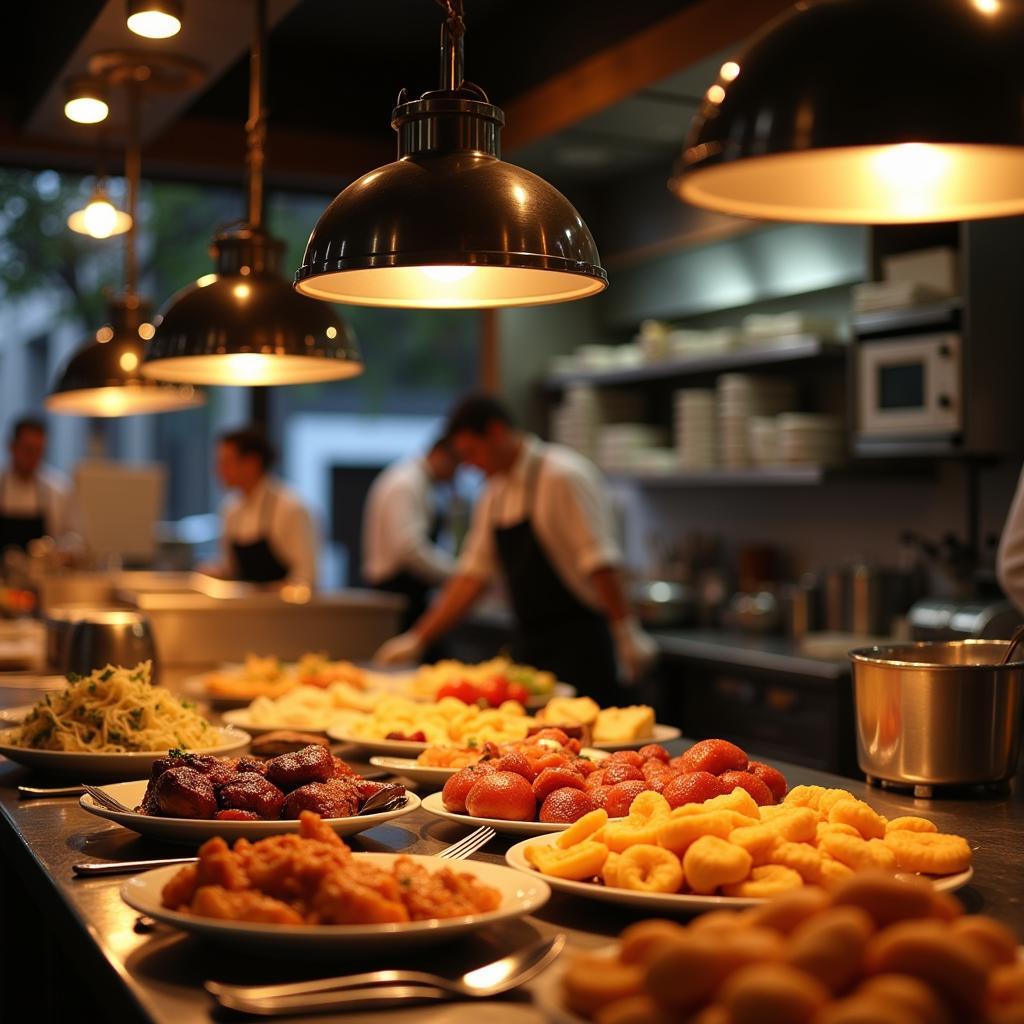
[[518, 692], [494, 690]]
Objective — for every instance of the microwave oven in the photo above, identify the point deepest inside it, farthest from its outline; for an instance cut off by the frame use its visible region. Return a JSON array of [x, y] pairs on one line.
[[910, 388]]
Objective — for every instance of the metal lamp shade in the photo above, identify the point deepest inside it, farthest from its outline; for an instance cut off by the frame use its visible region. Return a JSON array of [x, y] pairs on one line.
[[102, 378], [449, 225], [246, 325], [867, 111]]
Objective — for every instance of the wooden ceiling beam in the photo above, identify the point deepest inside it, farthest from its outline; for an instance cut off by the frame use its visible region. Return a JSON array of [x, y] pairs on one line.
[[212, 151], [612, 75]]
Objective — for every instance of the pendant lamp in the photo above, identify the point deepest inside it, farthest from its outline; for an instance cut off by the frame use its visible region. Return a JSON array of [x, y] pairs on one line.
[[867, 111], [449, 224], [102, 378], [154, 19], [99, 218], [244, 323]]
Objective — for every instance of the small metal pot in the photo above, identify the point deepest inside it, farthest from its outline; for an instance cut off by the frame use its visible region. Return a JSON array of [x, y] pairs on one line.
[[944, 713], [119, 638]]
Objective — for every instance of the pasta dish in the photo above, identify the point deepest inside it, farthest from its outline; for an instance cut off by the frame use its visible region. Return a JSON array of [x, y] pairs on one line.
[[113, 710]]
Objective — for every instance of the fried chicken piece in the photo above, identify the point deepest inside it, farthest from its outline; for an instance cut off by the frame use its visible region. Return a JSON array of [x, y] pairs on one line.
[[213, 901], [219, 865], [311, 826], [217, 769], [182, 793], [360, 894], [178, 892], [441, 893], [248, 791], [311, 764]]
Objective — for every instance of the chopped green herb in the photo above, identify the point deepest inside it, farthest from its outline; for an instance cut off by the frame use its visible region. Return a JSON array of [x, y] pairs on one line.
[[74, 677], [472, 743], [106, 675], [92, 687]]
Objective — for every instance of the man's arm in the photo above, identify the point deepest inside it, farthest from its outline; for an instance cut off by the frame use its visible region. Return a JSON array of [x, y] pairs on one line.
[[1010, 559]]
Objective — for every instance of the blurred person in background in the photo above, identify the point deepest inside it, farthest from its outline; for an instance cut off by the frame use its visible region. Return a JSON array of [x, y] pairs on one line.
[[401, 524], [33, 500], [545, 525], [268, 535]]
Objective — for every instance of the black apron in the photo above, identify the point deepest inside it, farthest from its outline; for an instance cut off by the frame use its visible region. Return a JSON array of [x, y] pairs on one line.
[[556, 630], [17, 530], [256, 562]]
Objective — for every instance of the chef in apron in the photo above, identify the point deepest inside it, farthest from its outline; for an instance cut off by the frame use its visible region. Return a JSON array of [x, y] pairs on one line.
[[32, 502], [401, 525], [268, 536], [544, 525]]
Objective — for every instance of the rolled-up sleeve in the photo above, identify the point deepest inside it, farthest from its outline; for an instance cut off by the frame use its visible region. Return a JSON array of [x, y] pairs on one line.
[[1010, 559], [478, 558], [581, 515]]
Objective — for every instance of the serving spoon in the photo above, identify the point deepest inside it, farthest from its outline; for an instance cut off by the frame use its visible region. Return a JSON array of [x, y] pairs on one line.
[[341, 992]]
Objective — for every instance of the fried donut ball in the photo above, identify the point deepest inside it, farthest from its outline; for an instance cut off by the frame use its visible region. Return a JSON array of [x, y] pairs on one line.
[[311, 764], [333, 799], [183, 793], [251, 792]]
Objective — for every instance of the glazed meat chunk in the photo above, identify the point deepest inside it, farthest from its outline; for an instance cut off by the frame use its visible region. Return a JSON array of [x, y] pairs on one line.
[[334, 799], [182, 793], [250, 764], [311, 764], [248, 791]]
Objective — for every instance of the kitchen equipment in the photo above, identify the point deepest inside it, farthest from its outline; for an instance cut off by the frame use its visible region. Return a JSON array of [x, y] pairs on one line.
[[935, 619], [936, 714], [59, 622], [759, 612], [910, 388], [662, 602], [122, 638]]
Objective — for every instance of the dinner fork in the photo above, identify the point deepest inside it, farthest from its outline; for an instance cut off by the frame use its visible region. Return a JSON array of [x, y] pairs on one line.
[[468, 845], [101, 796]]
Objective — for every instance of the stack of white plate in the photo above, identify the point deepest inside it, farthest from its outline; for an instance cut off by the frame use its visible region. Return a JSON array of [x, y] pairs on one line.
[[585, 409], [620, 446], [808, 438], [695, 427], [741, 397], [764, 441]]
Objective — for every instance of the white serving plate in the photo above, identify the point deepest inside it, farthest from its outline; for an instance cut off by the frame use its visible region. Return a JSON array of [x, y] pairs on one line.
[[661, 734], [385, 748], [88, 766], [198, 830], [241, 719], [435, 805], [433, 775], [519, 896], [678, 903]]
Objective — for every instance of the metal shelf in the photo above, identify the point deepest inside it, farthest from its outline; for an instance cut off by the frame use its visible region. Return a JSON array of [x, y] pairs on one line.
[[882, 321], [783, 350], [773, 476]]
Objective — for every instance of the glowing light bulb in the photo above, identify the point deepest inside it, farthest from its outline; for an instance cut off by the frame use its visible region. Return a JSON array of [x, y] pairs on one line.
[[729, 71], [146, 331], [154, 24], [332, 332], [987, 6], [715, 94], [447, 274], [129, 361], [241, 291], [99, 218], [248, 368], [86, 109], [104, 334], [206, 280], [912, 175]]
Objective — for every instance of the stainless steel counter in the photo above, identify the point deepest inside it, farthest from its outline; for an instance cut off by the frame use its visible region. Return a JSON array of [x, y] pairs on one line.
[[158, 977]]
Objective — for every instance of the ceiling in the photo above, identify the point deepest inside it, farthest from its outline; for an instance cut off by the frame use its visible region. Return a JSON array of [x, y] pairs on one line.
[[588, 98]]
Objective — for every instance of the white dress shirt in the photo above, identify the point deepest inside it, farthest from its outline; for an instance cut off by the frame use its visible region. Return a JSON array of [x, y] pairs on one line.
[[1010, 558], [276, 512], [571, 516], [397, 521], [23, 498]]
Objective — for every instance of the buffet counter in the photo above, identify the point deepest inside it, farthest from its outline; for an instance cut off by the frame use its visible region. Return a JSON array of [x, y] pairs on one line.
[[73, 950]]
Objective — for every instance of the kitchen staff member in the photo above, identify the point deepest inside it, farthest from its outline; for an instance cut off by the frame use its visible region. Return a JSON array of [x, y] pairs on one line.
[[400, 528], [1010, 557], [545, 524], [33, 503], [268, 535]]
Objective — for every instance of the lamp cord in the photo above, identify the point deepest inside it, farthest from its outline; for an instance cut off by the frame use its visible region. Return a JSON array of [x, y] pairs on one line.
[[452, 52], [132, 174], [256, 126]]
